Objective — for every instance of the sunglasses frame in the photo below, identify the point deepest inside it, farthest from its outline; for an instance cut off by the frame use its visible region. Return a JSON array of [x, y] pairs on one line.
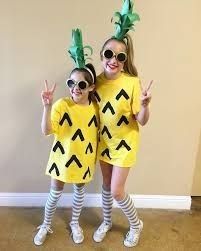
[[77, 83], [115, 55]]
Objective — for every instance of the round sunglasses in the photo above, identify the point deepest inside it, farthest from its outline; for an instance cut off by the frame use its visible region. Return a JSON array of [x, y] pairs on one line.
[[83, 84], [121, 56]]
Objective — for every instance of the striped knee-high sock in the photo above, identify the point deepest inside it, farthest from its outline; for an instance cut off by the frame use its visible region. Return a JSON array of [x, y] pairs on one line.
[[107, 202], [51, 206], [78, 201], [127, 206]]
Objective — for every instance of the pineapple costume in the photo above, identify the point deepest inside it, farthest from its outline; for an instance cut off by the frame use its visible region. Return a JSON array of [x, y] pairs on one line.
[[119, 101], [75, 127], [73, 155]]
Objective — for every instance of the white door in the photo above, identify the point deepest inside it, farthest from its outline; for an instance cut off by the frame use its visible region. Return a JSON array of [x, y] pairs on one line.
[[196, 188]]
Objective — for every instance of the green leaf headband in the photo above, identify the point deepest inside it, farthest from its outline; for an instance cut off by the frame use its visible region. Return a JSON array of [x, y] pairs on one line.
[[76, 50], [126, 19]]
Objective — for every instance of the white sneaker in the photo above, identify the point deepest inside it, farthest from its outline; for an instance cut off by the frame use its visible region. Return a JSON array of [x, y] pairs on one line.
[[133, 236], [41, 235], [100, 233], [77, 233]]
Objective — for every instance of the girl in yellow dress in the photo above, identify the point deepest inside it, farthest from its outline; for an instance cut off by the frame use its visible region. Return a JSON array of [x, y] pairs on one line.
[[74, 123], [122, 106]]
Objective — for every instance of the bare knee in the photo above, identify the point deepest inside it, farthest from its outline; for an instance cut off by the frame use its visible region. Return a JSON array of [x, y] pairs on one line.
[[106, 169], [79, 186], [57, 185], [117, 193]]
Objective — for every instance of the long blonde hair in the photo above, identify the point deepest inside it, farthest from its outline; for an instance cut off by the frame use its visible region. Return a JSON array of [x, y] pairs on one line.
[[129, 66]]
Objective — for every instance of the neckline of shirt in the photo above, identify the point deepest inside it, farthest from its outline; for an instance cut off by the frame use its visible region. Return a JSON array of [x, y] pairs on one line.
[[71, 101]]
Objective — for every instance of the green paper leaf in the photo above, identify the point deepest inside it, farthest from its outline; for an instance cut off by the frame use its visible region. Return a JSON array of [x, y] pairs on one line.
[[88, 59], [118, 15], [117, 23], [126, 19], [126, 7], [76, 50], [88, 48]]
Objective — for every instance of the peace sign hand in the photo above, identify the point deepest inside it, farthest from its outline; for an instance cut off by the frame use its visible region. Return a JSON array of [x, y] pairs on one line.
[[47, 95], [146, 95]]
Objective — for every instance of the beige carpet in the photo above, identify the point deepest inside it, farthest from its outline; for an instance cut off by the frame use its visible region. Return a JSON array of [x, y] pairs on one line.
[[163, 230]]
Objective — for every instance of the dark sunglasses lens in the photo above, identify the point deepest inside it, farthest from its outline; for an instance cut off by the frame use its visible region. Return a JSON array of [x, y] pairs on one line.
[[108, 54], [70, 83], [82, 85], [121, 57]]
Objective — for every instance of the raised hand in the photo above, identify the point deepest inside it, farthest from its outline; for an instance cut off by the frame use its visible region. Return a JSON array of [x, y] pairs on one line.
[[47, 95], [146, 95]]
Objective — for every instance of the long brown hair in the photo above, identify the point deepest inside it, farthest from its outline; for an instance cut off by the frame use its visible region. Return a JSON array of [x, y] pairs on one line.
[[129, 66]]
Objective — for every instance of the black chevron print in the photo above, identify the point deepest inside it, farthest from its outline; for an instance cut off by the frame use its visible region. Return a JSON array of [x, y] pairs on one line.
[[67, 118], [123, 119], [89, 147], [58, 145], [78, 133], [93, 120], [106, 151], [122, 93], [123, 143], [73, 158], [97, 96], [54, 166], [105, 130], [87, 172], [108, 106]]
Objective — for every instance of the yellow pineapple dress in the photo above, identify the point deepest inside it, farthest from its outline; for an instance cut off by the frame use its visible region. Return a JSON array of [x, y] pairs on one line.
[[119, 101], [73, 154]]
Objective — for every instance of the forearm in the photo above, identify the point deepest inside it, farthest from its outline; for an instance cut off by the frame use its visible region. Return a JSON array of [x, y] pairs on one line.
[[46, 125], [143, 116]]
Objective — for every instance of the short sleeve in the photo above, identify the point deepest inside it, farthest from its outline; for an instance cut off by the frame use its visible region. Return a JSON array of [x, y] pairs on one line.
[[56, 116], [136, 96]]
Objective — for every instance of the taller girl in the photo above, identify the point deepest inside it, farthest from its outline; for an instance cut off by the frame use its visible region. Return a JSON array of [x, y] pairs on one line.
[[122, 105]]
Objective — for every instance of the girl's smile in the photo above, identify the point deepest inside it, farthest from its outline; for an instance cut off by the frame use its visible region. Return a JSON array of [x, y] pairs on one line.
[[79, 96], [113, 67]]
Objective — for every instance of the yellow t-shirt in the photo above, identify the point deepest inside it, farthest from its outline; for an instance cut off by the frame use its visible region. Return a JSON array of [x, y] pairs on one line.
[[73, 155], [119, 101]]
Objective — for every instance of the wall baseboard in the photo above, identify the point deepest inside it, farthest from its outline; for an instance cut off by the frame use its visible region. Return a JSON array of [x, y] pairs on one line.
[[94, 200]]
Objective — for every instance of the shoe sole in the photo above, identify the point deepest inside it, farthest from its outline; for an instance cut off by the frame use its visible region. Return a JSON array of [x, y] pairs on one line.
[[73, 238], [78, 242]]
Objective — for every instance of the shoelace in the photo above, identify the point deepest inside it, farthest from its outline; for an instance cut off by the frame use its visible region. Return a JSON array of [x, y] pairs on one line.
[[49, 230]]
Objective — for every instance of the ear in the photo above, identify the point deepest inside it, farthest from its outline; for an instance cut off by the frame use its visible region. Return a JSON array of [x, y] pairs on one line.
[[91, 87], [101, 55]]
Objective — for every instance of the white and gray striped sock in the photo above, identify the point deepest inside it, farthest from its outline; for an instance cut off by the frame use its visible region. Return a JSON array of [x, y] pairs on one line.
[[51, 206], [107, 202], [127, 206], [78, 201]]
